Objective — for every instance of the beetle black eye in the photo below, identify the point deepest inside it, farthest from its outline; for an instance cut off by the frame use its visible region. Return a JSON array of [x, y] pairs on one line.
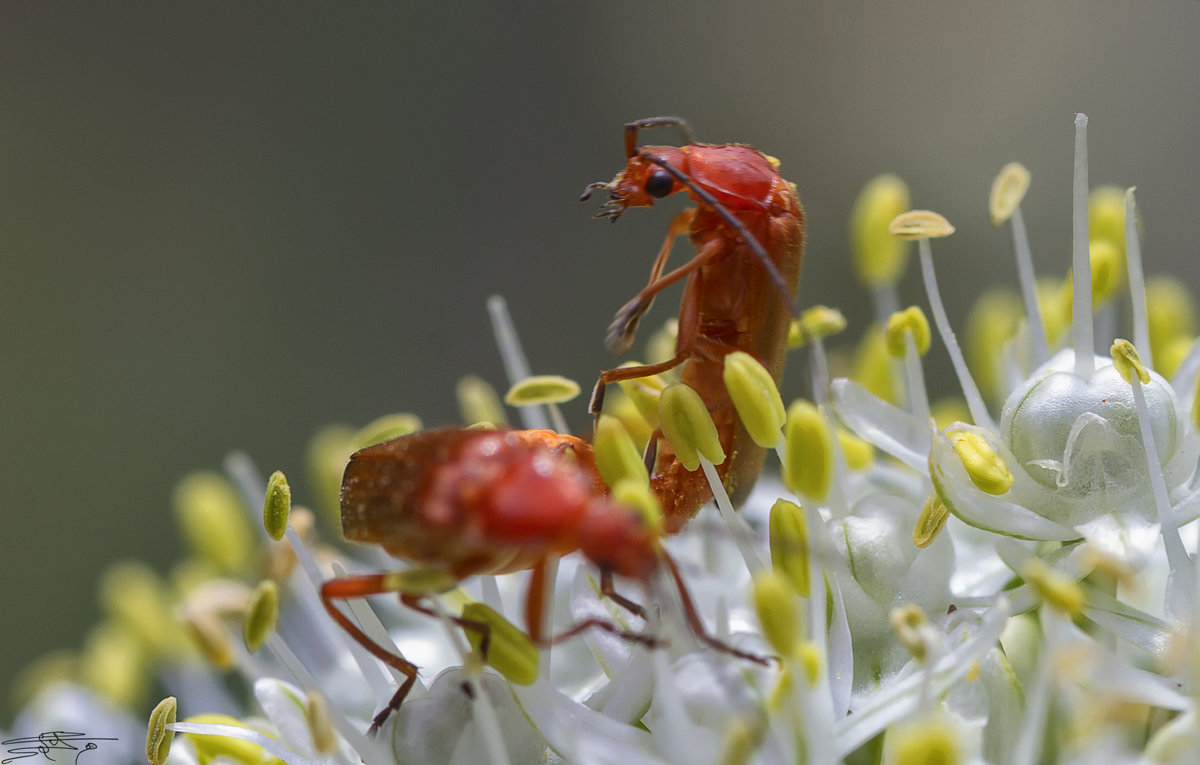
[[659, 184]]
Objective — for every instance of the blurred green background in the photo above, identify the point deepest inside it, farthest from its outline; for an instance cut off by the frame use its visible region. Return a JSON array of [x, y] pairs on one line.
[[224, 225]]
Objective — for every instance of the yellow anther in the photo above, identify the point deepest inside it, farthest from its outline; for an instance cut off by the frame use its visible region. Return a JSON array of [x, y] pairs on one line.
[[210, 746], [320, 723], [860, 454], [741, 741], [879, 258], [261, 615], [644, 392], [213, 521], [210, 636], [1054, 302], [932, 740], [949, 410], [984, 465], [136, 596], [992, 322], [910, 321], [386, 428], [920, 224], [479, 402], [158, 738], [661, 345], [872, 368], [911, 627], [932, 521], [277, 505], [688, 427], [1106, 273], [1126, 360], [1170, 321], [775, 604], [619, 404], [635, 494], [616, 456], [510, 651], [808, 470], [1106, 217], [788, 539], [1007, 192], [542, 389], [418, 581], [755, 397], [1055, 590], [809, 657], [114, 664], [817, 322], [972, 673]]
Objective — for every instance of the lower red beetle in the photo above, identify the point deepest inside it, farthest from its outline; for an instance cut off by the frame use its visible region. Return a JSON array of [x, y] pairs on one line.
[[466, 502]]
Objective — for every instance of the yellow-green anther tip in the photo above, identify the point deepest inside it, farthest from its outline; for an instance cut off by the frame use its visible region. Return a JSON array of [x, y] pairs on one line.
[[114, 663], [1106, 270], [755, 397], [859, 453], [931, 521], [210, 513], [510, 651], [209, 636], [1106, 216], [542, 389], [320, 723], [910, 321], [635, 494], [871, 367], [907, 622], [688, 427], [261, 615], [931, 741], [995, 317], [775, 604], [920, 224], [133, 594], [808, 469], [158, 737], [1055, 590], [479, 402], [1126, 360], [787, 536], [386, 428], [1007, 192], [879, 258], [810, 661], [816, 323], [617, 458], [277, 506], [984, 465]]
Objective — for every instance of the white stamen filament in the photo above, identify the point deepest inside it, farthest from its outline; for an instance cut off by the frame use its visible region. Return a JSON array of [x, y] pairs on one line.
[[1081, 261], [1028, 281], [1137, 280]]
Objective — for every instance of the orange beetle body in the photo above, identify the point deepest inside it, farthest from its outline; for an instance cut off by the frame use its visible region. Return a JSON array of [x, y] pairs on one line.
[[733, 300], [473, 502]]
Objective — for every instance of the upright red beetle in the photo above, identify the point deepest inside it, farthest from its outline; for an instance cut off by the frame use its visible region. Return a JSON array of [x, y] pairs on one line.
[[748, 229]]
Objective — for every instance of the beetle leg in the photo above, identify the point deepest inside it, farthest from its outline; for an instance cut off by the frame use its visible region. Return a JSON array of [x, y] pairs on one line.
[[620, 332], [361, 586]]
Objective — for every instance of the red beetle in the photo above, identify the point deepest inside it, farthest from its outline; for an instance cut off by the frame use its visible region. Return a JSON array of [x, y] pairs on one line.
[[466, 502], [748, 229]]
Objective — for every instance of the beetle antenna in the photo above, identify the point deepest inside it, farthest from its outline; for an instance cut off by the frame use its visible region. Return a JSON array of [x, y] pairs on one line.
[[749, 238], [632, 128]]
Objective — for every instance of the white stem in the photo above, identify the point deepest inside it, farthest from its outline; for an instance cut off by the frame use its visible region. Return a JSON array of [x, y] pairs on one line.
[[1137, 279], [1181, 582], [1028, 281], [516, 367], [979, 412], [1037, 698], [371, 668], [1081, 262], [738, 528], [918, 400]]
